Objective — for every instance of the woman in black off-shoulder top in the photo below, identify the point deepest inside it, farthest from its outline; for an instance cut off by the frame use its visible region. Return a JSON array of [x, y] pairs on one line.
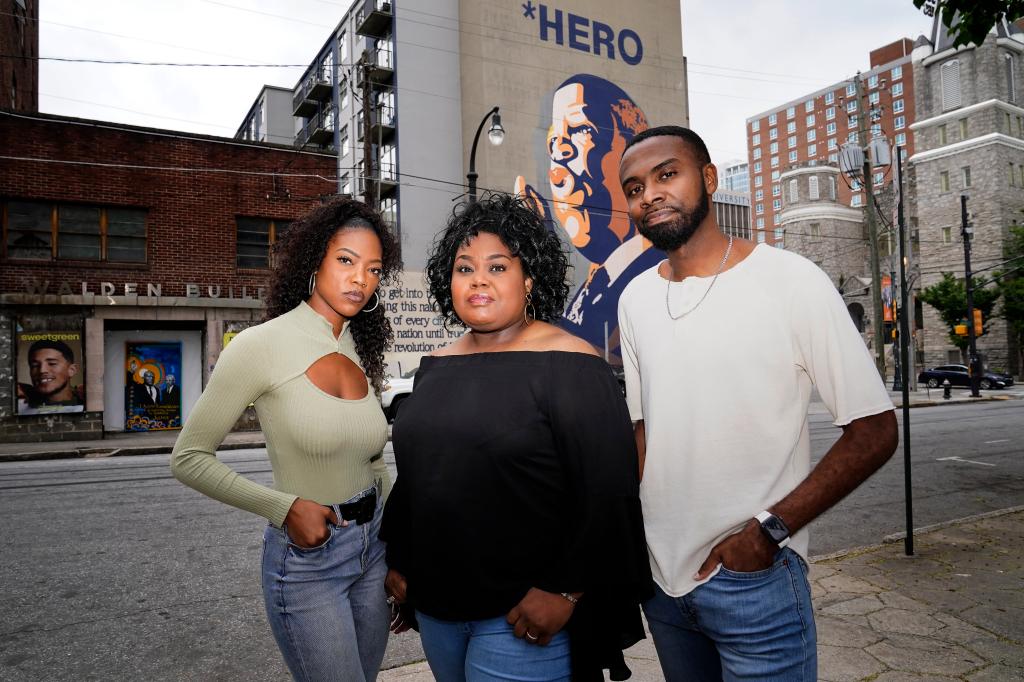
[[514, 528]]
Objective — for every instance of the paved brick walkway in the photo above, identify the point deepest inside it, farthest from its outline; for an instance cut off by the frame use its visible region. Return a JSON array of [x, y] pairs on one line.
[[953, 611]]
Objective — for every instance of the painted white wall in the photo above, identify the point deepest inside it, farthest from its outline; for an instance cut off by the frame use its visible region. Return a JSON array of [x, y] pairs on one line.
[[191, 379], [429, 121]]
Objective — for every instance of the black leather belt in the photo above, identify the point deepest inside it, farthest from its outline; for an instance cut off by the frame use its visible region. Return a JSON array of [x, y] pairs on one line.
[[359, 511]]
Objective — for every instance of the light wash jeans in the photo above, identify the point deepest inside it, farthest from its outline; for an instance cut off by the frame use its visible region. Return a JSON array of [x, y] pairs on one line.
[[739, 626], [326, 605], [488, 651]]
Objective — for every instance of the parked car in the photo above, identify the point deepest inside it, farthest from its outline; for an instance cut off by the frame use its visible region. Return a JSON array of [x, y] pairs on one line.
[[395, 391], [959, 376]]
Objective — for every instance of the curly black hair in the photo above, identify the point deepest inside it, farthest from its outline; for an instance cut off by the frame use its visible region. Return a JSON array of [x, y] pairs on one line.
[[525, 234], [298, 254]]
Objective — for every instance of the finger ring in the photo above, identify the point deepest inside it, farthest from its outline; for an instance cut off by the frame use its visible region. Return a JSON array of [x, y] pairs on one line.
[[531, 637], [390, 600]]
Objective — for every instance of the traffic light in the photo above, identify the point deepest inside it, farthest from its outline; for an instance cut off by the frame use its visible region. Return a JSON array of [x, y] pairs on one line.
[[978, 327]]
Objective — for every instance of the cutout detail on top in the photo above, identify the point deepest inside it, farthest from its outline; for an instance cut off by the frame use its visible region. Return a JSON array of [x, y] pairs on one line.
[[336, 375]]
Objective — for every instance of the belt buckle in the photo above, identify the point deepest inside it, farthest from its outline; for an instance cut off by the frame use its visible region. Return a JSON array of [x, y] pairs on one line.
[[367, 506]]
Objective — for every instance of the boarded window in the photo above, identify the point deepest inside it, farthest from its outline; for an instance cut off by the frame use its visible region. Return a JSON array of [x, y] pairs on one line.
[[255, 236], [29, 230], [78, 233], [949, 75], [812, 187], [1011, 89], [126, 235], [794, 194], [43, 231]]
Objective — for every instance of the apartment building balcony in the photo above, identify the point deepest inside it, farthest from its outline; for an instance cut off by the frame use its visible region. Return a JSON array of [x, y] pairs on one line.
[[388, 178], [314, 89], [381, 63], [374, 19], [382, 125], [318, 130]]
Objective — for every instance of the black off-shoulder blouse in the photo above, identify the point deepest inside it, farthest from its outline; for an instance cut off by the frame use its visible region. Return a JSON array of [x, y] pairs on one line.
[[519, 470]]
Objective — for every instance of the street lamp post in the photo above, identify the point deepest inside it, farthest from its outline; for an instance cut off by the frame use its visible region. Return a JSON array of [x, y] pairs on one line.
[[496, 135]]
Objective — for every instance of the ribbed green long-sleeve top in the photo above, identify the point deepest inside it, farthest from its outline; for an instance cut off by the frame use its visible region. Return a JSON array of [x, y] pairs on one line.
[[321, 447]]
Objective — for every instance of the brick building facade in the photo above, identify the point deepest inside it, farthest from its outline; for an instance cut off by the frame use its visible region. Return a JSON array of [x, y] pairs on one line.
[[19, 45], [117, 237]]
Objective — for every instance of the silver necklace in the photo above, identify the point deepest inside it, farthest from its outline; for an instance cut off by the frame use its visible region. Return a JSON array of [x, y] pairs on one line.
[[668, 287]]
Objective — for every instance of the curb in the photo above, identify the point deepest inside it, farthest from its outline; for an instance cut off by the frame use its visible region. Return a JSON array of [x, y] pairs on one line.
[[940, 402], [923, 530], [97, 453]]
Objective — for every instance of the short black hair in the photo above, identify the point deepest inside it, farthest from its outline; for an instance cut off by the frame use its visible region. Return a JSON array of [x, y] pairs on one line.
[[692, 139], [523, 231], [59, 346]]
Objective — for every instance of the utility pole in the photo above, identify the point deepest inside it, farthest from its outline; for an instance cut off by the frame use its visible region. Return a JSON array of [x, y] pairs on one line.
[[966, 230], [877, 316], [370, 165], [336, 108], [904, 355]]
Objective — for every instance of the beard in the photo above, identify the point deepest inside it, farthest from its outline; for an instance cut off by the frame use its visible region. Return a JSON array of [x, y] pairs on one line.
[[669, 235]]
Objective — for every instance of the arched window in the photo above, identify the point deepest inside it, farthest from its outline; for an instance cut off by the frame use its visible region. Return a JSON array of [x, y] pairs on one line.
[[856, 311], [949, 77]]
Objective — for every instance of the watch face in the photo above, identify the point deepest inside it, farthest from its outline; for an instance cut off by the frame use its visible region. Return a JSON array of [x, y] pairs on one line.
[[775, 528]]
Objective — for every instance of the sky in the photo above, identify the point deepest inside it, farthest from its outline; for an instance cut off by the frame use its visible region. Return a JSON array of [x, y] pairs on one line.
[[741, 62]]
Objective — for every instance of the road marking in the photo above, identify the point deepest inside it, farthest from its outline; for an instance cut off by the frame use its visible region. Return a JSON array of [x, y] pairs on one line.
[[1001, 440], [965, 461]]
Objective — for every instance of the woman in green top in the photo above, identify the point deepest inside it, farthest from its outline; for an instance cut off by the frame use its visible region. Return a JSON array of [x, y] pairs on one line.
[[309, 370]]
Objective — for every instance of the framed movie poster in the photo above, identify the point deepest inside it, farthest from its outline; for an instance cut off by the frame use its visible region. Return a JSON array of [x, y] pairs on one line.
[[50, 372], [152, 394]]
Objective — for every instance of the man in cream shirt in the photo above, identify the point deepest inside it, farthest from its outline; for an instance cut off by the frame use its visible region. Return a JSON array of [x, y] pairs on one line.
[[722, 343]]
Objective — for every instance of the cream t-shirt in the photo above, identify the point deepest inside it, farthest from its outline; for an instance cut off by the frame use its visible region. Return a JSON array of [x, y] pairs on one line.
[[724, 393]]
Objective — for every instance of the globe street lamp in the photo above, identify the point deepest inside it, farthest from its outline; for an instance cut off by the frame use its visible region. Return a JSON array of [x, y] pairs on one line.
[[496, 135]]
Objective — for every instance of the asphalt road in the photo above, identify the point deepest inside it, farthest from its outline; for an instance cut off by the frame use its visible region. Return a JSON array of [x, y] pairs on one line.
[[112, 570]]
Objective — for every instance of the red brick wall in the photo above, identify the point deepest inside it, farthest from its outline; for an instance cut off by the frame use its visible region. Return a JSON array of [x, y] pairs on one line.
[[891, 52], [19, 36], [191, 215]]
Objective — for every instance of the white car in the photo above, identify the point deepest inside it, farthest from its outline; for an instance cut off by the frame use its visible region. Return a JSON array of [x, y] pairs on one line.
[[395, 391]]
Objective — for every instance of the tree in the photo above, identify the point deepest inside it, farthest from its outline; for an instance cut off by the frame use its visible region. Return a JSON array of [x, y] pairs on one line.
[[976, 17], [949, 298], [1011, 289]]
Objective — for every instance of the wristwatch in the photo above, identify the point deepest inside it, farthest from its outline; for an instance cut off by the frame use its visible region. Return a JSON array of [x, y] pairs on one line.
[[774, 528]]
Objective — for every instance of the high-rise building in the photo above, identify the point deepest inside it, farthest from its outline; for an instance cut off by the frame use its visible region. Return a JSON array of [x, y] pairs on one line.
[[810, 130], [19, 45], [969, 136], [400, 92], [735, 176]]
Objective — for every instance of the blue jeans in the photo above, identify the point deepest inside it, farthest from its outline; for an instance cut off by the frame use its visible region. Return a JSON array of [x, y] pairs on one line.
[[739, 626], [486, 650], [326, 605]]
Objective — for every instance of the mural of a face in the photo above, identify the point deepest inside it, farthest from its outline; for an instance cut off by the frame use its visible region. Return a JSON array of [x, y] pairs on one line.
[[591, 120]]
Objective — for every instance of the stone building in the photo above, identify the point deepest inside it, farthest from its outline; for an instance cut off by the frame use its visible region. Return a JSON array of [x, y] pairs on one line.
[[819, 226], [969, 138]]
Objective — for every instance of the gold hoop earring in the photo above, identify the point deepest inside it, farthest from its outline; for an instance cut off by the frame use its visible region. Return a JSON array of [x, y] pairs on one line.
[[312, 282], [375, 305], [529, 307]]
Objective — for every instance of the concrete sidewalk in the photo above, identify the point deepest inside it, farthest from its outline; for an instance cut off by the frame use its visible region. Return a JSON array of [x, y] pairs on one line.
[[117, 444], [953, 611]]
